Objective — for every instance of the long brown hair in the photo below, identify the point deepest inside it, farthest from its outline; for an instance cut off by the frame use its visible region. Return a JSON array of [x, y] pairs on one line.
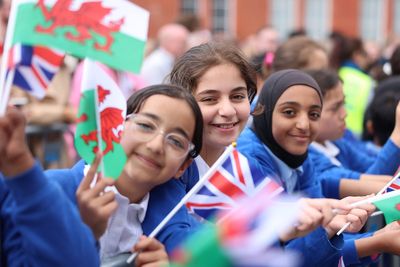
[[192, 65]]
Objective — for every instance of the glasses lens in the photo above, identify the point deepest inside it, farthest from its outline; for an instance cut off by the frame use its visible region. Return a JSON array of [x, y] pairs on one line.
[[145, 129]]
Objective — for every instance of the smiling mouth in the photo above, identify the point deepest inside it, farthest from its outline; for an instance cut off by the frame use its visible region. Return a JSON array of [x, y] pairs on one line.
[[301, 137], [225, 125], [148, 161]]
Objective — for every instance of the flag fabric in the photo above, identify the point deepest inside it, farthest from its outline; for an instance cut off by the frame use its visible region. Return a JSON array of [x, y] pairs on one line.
[[102, 112], [34, 67], [389, 204], [245, 236], [394, 184], [233, 179], [113, 32], [341, 262]]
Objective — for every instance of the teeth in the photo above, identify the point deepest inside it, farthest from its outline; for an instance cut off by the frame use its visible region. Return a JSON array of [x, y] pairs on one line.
[[225, 126]]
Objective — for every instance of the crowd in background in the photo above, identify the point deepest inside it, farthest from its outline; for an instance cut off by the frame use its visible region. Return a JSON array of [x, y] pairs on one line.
[[356, 79]]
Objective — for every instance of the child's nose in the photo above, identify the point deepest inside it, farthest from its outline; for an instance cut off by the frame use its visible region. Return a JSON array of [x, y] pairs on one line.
[[226, 109], [156, 144], [303, 122]]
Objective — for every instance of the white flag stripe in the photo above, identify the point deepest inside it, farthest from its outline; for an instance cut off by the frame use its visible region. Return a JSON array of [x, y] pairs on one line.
[[135, 17]]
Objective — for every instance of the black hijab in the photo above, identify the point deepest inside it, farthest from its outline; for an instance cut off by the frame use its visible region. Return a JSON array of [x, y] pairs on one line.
[[271, 91]]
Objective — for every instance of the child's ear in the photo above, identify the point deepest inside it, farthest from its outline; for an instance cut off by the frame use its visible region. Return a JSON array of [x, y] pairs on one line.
[[370, 127], [183, 167]]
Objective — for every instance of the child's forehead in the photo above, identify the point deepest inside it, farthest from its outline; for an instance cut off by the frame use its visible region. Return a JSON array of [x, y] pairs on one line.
[[157, 102], [299, 94], [167, 109]]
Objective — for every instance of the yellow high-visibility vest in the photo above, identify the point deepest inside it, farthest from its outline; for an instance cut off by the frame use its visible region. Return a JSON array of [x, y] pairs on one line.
[[357, 88]]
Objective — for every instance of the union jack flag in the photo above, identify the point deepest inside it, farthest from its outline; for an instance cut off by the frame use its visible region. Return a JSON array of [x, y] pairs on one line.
[[235, 178], [34, 67], [393, 185]]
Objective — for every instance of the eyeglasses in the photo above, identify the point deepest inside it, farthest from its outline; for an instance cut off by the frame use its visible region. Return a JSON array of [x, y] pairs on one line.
[[146, 129]]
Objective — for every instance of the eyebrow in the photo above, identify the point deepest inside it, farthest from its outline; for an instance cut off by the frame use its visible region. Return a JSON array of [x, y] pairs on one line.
[[215, 91], [297, 104], [156, 118]]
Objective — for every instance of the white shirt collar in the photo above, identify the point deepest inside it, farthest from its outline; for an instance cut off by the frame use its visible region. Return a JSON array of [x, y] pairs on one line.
[[329, 149]]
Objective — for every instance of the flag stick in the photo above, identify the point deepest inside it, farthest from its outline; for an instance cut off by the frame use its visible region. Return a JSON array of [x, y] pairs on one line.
[[85, 77], [379, 193], [5, 86], [369, 200], [389, 183], [193, 191]]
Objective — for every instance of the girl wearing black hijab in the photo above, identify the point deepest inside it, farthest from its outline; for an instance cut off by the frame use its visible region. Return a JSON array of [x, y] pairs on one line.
[[285, 122]]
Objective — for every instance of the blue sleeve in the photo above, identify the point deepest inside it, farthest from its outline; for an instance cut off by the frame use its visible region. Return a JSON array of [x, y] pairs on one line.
[[317, 249], [68, 179], [386, 162], [51, 230], [329, 174], [163, 199], [350, 254]]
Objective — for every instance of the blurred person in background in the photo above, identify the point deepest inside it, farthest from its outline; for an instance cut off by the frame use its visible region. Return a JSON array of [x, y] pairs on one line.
[[172, 42], [351, 59]]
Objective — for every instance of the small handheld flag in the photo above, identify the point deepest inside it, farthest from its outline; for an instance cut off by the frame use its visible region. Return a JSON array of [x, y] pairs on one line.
[[102, 113]]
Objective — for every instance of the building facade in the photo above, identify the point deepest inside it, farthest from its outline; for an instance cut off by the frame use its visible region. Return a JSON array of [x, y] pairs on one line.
[[370, 19]]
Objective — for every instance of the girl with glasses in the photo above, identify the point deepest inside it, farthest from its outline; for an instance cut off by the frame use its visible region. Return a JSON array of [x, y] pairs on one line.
[[161, 136]]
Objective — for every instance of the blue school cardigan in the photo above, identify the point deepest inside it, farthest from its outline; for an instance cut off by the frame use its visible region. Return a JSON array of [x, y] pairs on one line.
[[40, 225], [316, 248], [354, 163], [163, 198]]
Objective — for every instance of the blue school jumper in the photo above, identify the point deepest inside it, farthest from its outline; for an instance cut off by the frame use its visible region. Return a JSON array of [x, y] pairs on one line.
[[40, 225], [353, 163], [163, 199], [316, 248]]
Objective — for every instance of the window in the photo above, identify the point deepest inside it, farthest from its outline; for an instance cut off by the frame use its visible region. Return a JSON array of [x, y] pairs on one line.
[[371, 20], [220, 16], [188, 6], [317, 18], [283, 16], [396, 17]]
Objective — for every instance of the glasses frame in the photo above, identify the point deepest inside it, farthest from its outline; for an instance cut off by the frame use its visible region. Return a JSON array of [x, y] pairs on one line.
[[190, 150]]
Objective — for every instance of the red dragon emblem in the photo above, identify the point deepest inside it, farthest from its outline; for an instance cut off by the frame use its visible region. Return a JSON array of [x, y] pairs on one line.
[[85, 20], [110, 119]]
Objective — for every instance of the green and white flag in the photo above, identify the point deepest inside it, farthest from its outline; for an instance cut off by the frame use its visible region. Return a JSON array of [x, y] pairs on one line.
[[387, 203], [113, 32], [390, 206], [101, 116]]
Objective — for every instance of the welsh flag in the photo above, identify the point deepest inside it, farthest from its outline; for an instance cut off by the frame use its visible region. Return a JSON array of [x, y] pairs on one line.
[[102, 112], [113, 32]]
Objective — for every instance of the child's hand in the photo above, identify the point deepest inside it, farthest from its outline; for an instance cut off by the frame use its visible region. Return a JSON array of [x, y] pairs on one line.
[[356, 217], [15, 157], [95, 205], [313, 213], [151, 253], [393, 226]]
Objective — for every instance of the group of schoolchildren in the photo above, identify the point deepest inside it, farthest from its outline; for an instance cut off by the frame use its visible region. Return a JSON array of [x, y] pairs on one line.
[[173, 134]]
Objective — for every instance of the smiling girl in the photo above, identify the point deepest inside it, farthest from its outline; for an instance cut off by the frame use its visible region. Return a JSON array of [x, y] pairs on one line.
[[286, 121], [162, 134]]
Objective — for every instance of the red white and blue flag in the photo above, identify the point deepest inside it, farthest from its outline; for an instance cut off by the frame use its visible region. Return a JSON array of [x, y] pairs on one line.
[[393, 184], [235, 178], [34, 67]]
